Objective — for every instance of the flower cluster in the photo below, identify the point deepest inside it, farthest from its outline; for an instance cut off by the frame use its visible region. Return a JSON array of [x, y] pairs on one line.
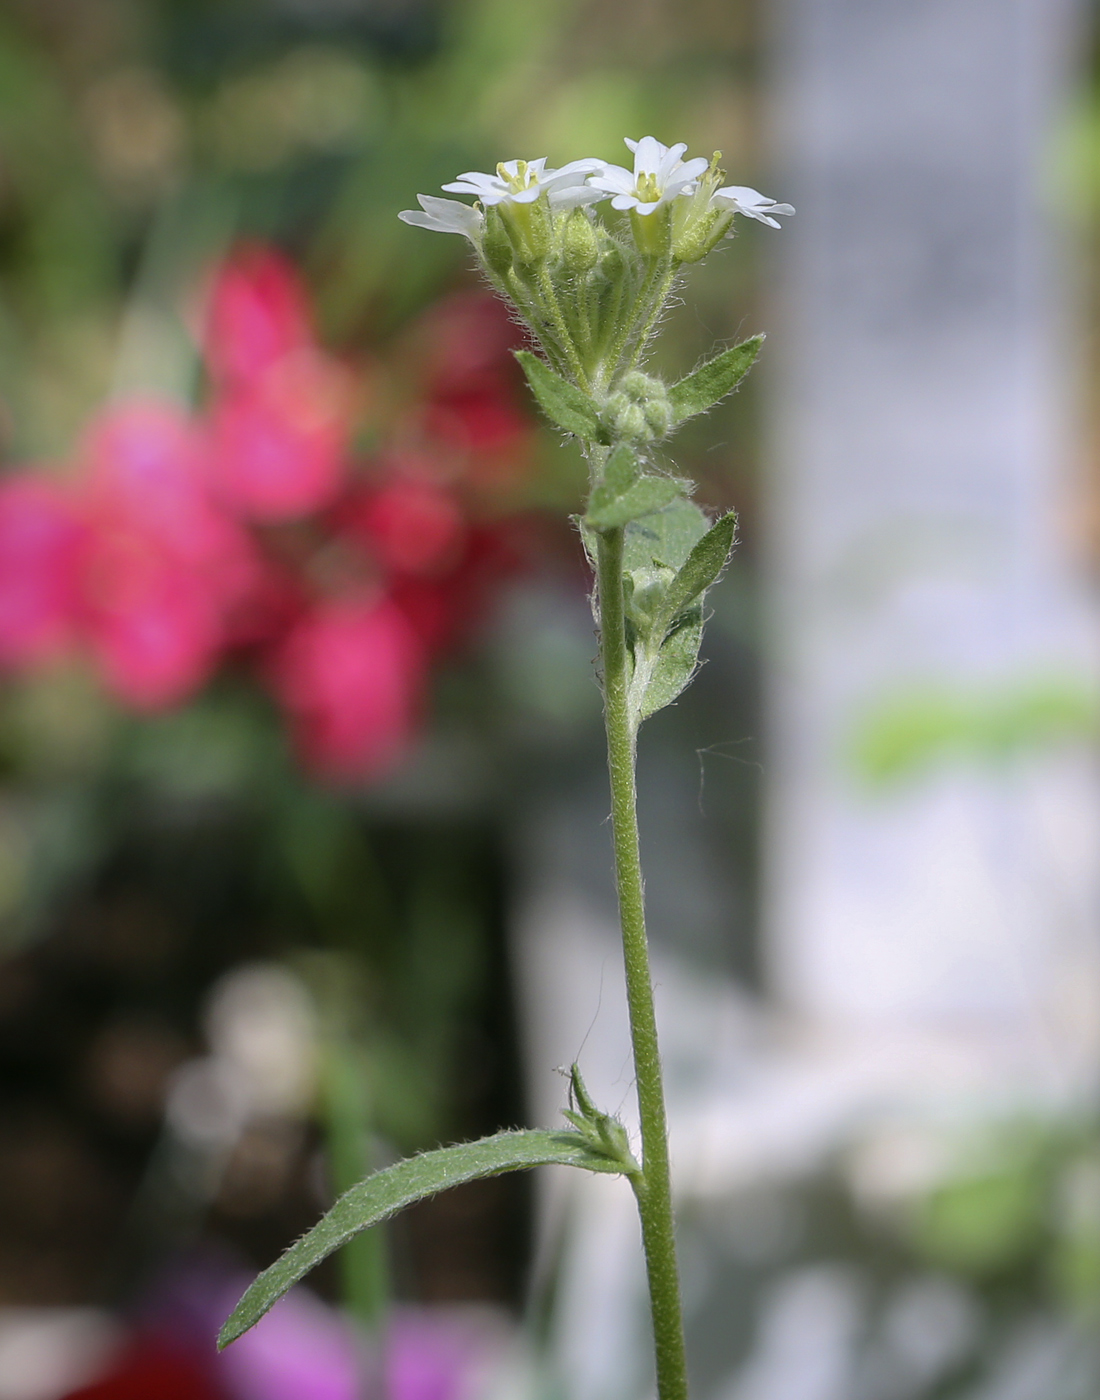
[[592, 290], [250, 532]]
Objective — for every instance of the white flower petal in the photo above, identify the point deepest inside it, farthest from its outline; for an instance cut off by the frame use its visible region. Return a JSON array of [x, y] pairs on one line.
[[648, 154], [671, 162], [574, 196], [754, 205], [588, 165], [615, 180], [444, 216]]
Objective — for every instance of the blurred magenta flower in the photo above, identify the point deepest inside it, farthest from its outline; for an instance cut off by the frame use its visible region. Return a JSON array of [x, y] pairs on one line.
[[41, 549], [350, 676], [413, 525], [257, 313], [245, 533], [163, 567], [278, 444]]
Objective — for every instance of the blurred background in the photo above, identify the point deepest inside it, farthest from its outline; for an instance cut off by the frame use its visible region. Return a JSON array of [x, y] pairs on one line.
[[304, 862]]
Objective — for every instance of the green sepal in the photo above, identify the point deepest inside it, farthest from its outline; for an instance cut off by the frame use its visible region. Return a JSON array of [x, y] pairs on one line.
[[675, 665], [706, 561], [703, 387], [563, 403], [387, 1192]]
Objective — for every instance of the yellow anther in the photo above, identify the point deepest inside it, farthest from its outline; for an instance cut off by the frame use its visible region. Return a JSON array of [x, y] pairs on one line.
[[647, 190]]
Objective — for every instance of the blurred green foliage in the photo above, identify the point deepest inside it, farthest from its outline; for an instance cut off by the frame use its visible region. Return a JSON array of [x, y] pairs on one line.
[[927, 726]]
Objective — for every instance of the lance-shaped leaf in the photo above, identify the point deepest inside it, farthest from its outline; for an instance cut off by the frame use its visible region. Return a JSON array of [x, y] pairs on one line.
[[701, 568], [648, 495], [703, 387], [675, 665], [562, 402], [387, 1192]]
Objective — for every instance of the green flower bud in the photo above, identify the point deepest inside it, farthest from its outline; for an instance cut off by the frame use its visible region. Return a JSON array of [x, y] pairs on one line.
[[644, 593], [580, 249], [639, 410], [624, 419], [612, 262], [496, 246]]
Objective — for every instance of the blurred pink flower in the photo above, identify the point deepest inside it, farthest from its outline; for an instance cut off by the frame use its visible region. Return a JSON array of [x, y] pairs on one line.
[[410, 526], [278, 446], [350, 675], [155, 629], [257, 313], [302, 1350], [41, 548], [164, 569]]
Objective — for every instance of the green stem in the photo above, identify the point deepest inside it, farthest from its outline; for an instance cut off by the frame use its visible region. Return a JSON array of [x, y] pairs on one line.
[[653, 1188]]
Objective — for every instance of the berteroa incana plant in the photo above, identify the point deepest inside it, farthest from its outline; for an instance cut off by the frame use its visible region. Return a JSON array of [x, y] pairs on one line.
[[592, 291]]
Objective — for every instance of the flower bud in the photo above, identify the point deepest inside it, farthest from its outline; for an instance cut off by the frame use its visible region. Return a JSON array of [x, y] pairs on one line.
[[580, 249], [612, 262], [645, 592], [625, 419], [639, 410]]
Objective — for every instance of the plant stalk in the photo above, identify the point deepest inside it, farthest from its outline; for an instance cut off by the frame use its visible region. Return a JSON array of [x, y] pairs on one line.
[[653, 1188]]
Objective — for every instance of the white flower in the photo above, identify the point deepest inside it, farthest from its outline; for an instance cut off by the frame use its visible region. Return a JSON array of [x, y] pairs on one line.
[[659, 175], [522, 181], [446, 216], [739, 199]]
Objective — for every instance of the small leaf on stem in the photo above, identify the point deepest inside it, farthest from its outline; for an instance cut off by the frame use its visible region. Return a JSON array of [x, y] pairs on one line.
[[676, 663], [664, 540], [648, 495], [563, 403], [703, 387], [387, 1192], [703, 565]]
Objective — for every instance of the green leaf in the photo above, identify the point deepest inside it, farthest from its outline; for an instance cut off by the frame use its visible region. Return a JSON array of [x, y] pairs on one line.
[[648, 495], [703, 565], [664, 540], [676, 662], [563, 403], [387, 1192], [619, 475], [703, 387]]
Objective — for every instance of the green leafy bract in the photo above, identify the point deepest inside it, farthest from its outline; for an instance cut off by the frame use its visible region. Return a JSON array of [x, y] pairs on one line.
[[648, 495], [389, 1191], [675, 665], [664, 539], [563, 403], [701, 568], [703, 387]]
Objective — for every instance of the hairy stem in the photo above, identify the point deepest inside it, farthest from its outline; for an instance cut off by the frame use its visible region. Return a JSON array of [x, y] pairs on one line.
[[653, 1187]]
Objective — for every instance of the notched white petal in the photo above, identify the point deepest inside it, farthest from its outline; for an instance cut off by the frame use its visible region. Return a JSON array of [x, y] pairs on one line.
[[742, 199], [444, 216]]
